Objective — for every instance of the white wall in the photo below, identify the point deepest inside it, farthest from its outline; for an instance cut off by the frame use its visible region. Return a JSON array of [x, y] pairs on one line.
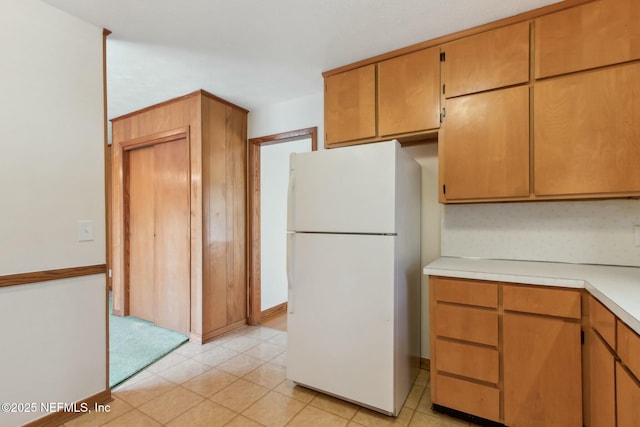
[[274, 186], [51, 169]]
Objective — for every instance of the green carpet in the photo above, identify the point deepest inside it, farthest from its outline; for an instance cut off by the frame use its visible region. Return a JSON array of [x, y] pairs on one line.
[[135, 344]]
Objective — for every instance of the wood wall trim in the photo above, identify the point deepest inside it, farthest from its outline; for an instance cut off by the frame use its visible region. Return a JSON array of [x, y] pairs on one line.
[[274, 311], [156, 138], [58, 418], [425, 364], [107, 196], [48, 275], [253, 215], [525, 16]]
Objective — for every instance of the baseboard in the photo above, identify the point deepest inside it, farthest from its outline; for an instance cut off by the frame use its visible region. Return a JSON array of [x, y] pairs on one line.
[[205, 338], [58, 418], [272, 312], [425, 364]]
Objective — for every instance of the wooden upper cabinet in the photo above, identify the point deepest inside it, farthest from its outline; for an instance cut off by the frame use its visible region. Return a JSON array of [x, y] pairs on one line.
[[488, 60], [594, 34], [485, 150], [350, 105], [409, 93], [586, 133]]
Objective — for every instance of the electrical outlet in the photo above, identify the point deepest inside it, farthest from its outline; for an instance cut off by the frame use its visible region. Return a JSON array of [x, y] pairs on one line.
[[636, 235], [85, 231]]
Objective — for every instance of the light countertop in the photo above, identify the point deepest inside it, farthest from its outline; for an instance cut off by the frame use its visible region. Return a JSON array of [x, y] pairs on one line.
[[618, 288]]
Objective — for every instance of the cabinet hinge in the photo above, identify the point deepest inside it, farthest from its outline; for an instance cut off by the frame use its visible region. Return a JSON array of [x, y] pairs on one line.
[[444, 189], [442, 56], [443, 87], [581, 336], [443, 114]]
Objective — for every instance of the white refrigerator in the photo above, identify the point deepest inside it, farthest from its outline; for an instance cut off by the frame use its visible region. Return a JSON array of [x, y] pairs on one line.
[[353, 265]]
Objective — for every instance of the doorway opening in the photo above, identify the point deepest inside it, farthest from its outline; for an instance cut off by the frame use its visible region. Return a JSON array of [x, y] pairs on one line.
[[268, 186]]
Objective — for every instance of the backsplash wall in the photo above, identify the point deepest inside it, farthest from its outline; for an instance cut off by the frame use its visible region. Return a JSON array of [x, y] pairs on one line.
[[591, 232]]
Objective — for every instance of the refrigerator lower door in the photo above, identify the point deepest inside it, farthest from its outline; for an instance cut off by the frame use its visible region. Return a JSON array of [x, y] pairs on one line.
[[340, 331]]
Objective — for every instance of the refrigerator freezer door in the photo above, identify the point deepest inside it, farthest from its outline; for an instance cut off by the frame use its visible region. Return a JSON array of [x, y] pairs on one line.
[[340, 334], [337, 190]]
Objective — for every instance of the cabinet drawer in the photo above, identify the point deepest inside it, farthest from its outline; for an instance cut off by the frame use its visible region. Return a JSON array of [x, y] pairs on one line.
[[629, 348], [552, 302], [467, 323], [468, 360], [467, 292], [603, 321], [472, 398]]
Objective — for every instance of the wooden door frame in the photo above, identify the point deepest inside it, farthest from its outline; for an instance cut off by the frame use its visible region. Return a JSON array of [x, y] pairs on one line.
[[253, 217]]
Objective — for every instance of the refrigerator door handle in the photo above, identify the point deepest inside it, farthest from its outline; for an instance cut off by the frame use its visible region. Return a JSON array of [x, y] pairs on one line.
[[290, 278], [291, 198]]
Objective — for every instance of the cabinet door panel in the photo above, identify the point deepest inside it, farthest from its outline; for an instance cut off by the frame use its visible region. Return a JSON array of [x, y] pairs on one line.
[[489, 60], [591, 35], [350, 105], [628, 398], [409, 93], [465, 396], [629, 348], [486, 145], [586, 133], [602, 396], [542, 371], [603, 321]]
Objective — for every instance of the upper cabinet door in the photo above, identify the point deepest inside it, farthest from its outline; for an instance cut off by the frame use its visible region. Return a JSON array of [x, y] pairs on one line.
[[591, 35], [485, 151], [350, 105], [586, 133], [409, 93], [488, 60]]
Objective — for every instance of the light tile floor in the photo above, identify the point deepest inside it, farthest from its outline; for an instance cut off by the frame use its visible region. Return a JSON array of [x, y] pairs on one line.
[[240, 380]]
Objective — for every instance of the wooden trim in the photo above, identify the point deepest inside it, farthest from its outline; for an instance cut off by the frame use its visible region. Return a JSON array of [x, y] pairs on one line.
[[107, 196], [156, 138], [58, 418], [274, 311], [48, 275], [525, 16], [205, 338], [425, 364], [199, 92], [253, 215]]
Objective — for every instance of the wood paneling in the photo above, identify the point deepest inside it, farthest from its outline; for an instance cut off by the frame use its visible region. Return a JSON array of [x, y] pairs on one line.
[[469, 292], [602, 389], [480, 363], [350, 105], [486, 145], [465, 396], [592, 35], [628, 398], [216, 248], [467, 323], [542, 371], [409, 93], [540, 300], [488, 60], [603, 321], [586, 133]]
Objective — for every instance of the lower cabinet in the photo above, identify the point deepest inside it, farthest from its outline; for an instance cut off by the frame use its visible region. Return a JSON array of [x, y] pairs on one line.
[[507, 353], [602, 399], [627, 398]]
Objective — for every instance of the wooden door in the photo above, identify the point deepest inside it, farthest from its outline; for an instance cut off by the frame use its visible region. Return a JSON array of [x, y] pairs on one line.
[[542, 371], [486, 145], [141, 232], [409, 93], [159, 235], [350, 105], [488, 60], [586, 133], [602, 392]]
